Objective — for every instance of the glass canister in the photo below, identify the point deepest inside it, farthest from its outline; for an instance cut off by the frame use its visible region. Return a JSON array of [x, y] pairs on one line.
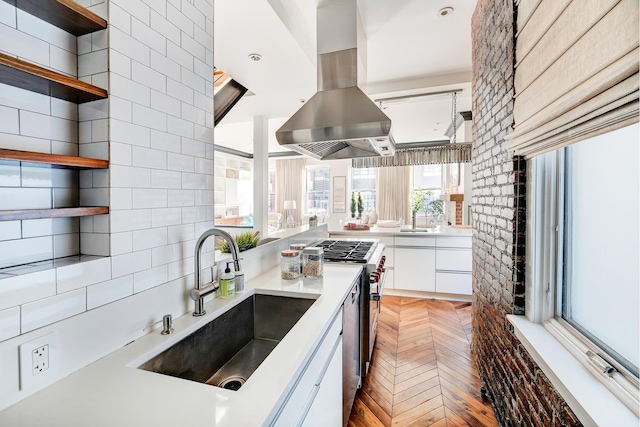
[[312, 261], [290, 264], [297, 246]]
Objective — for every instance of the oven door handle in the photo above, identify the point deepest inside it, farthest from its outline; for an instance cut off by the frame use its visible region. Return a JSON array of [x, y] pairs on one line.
[[375, 296]]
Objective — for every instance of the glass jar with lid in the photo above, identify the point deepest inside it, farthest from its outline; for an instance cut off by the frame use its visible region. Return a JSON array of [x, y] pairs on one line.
[[290, 264], [312, 261]]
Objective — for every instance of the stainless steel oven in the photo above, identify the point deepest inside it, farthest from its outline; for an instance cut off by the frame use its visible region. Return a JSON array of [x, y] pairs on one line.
[[369, 253]]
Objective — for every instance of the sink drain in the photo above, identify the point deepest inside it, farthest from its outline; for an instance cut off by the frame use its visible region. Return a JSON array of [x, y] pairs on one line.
[[232, 383]]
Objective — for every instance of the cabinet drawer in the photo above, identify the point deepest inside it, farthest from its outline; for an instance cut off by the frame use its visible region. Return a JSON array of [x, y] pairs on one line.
[[453, 259], [295, 403], [453, 242], [453, 283], [421, 241], [389, 252]]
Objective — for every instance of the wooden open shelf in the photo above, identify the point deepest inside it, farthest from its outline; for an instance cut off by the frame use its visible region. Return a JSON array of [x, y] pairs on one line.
[[22, 214], [53, 159], [65, 14], [23, 74]]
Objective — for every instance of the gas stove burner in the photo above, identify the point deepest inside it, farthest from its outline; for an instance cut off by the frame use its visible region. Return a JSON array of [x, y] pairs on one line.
[[346, 251]]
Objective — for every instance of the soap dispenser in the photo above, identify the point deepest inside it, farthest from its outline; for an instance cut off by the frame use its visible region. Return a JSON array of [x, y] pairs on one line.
[[227, 282]]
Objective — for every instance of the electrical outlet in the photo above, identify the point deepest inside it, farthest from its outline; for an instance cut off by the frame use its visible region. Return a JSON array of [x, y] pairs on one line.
[[38, 361]]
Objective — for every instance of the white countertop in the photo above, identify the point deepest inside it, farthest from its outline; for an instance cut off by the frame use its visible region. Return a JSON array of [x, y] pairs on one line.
[[397, 231], [113, 392]]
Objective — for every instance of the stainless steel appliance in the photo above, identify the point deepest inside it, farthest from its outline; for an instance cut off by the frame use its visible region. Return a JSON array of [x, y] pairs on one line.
[[369, 253], [350, 350]]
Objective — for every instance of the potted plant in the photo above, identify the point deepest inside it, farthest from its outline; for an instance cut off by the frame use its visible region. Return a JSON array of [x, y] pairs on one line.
[[313, 220], [245, 241], [360, 205], [353, 205]]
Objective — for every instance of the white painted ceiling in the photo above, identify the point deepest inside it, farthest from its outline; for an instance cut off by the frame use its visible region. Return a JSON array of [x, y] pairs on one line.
[[410, 50]]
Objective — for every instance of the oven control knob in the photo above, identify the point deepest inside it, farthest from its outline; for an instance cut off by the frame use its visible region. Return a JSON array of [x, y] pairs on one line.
[[375, 297], [383, 260]]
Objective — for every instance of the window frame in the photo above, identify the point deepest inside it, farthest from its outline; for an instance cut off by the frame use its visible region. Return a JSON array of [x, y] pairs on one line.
[[545, 270], [374, 190], [305, 202]]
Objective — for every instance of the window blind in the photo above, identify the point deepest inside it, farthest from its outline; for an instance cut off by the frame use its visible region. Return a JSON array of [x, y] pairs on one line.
[[576, 72]]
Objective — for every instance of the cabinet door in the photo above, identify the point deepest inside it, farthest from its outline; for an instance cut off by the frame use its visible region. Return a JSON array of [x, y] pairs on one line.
[[453, 259], [454, 283], [326, 409], [415, 269]]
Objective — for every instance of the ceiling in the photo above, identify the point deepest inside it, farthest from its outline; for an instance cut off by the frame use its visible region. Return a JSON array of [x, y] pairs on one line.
[[411, 49]]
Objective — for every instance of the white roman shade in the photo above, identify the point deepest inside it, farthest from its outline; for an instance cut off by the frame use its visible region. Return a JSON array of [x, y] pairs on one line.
[[576, 71]]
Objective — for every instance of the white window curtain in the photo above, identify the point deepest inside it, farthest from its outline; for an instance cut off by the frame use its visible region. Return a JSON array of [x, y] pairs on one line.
[[576, 72], [289, 180], [392, 192]]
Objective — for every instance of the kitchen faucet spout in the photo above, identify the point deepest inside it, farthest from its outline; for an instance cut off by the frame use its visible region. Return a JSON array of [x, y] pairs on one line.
[[200, 291]]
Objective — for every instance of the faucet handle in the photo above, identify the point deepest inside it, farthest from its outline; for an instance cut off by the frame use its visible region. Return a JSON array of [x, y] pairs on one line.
[[204, 290]]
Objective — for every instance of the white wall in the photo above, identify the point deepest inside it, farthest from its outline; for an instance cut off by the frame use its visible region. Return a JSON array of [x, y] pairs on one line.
[[157, 131]]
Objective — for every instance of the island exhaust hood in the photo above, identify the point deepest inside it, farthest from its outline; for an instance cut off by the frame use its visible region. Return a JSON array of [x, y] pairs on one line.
[[339, 121]]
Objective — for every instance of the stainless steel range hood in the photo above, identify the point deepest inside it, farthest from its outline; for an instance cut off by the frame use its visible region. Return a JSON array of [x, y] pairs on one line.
[[339, 121]]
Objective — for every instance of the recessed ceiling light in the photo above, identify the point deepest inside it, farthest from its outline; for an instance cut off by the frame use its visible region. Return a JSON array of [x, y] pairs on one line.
[[445, 11], [255, 57]]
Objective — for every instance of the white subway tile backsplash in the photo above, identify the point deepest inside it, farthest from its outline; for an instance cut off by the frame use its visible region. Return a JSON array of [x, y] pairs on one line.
[[181, 198], [180, 127], [109, 291], [9, 230], [95, 150], [63, 61], [204, 166], [53, 309], [179, 19], [64, 148], [100, 177], [150, 118], [194, 214], [150, 238], [38, 176], [9, 121], [121, 198], [147, 279], [166, 254], [41, 126], [121, 109], [131, 263], [191, 147], [120, 64], [94, 197], [130, 90], [179, 55], [149, 198], [192, 47], [83, 44], [100, 130], [95, 244], [10, 318], [130, 133], [7, 16], [25, 198], [149, 37], [180, 233], [166, 217], [65, 225], [45, 31], [193, 114], [82, 274], [66, 245], [165, 179], [37, 227], [64, 109], [192, 80], [179, 91], [11, 96], [193, 181], [204, 134], [101, 223], [99, 40], [204, 6], [65, 197], [136, 8], [92, 63], [164, 27], [165, 104], [94, 110], [196, 16], [203, 102], [24, 46], [121, 154], [119, 18], [149, 158], [10, 174], [130, 220], [27, 288], [180, 162], [180, 268], [121, 243], [204, 197]]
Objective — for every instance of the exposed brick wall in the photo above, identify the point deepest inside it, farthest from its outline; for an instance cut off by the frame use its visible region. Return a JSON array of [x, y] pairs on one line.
[[520, 393]]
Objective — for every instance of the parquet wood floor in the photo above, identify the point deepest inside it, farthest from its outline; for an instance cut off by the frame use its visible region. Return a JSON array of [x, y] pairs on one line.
[[421, 372]]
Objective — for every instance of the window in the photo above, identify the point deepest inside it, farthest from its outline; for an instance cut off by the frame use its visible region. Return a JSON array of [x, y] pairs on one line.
[[583, 263], [428, 177], [363, 181], [316, 191]]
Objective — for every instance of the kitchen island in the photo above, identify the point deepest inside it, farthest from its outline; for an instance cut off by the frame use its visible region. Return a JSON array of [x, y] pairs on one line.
[[113, 392], [426, 263]]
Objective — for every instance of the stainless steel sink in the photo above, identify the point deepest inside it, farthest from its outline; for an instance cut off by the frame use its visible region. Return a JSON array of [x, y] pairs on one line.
[[227, 350]]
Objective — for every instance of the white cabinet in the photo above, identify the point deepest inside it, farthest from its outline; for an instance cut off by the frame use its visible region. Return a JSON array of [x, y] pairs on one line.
[[415, 268], [453, 259], [316, 399], [453, 265], [453, 283]]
